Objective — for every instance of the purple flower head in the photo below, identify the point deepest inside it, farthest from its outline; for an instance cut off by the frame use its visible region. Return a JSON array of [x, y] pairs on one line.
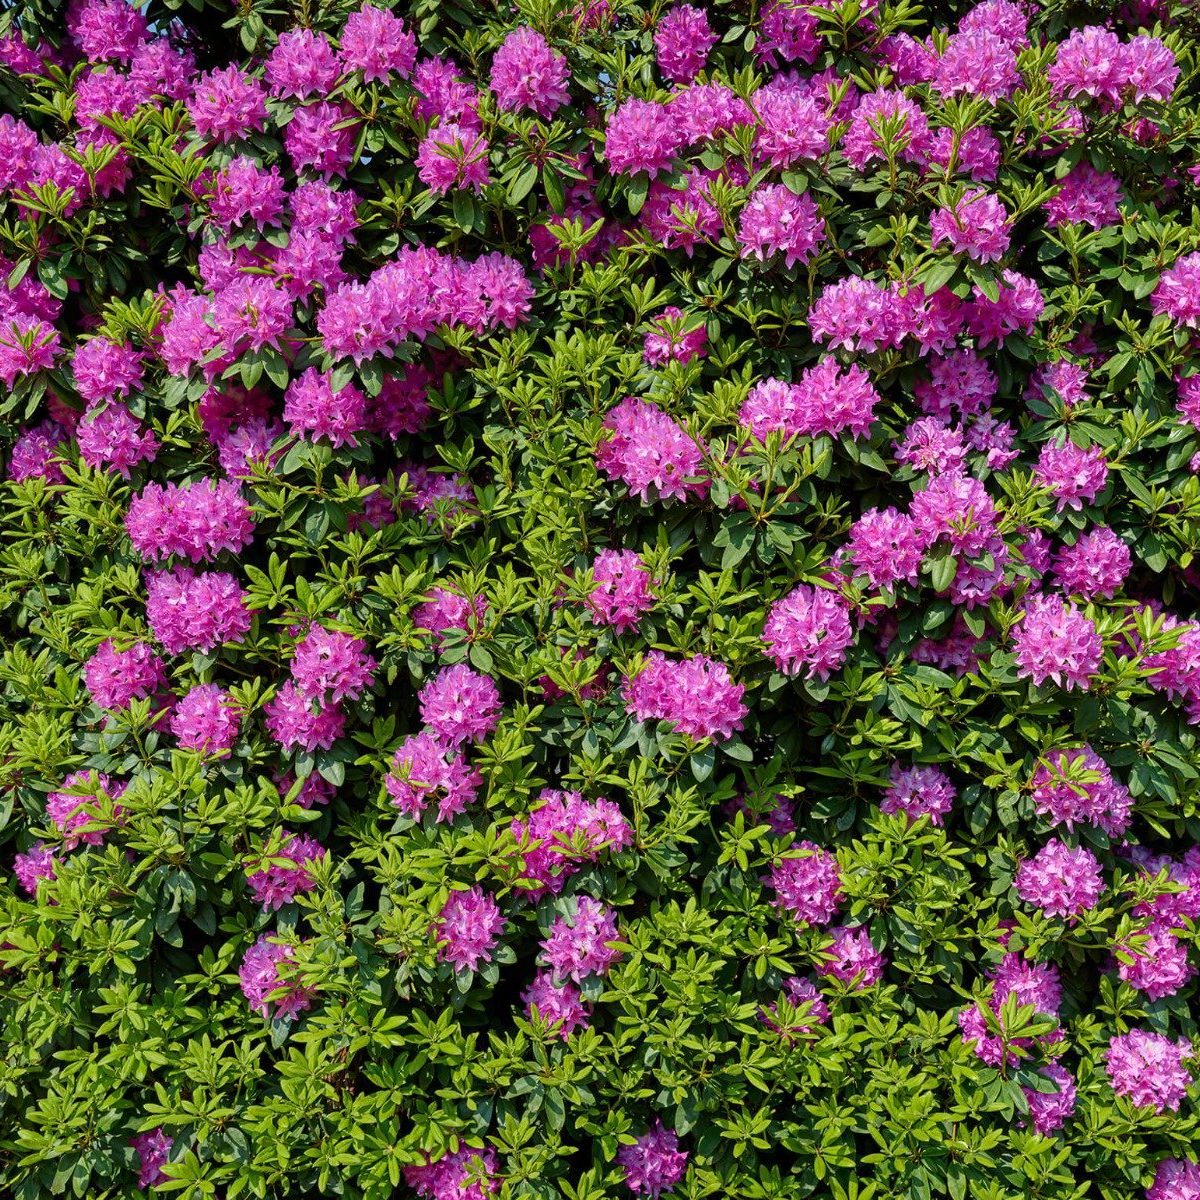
[[1175, 1179], [423, 771], [1075, 787], [800, 994], [375, 43], [669, 340], [1148, 1069], [640, 137], [275, 881], [1075, 474], [577, 947], [853, 958], [622, 589], [885, 548], [649, 452], [1155, 961], [918, 791], [453, 157], [1178, 292], [1055, 641], [196, 521], [294, 722], [1059, 880], [1048, 1111], [302, 64], [463, 1174], [559, 1005], [978, 225], [460, 705], [527, 73], [268, 967], [84, 811], [36, 863], [331, 666], [682, 41], [807, 885], [187, 610], [564, 833], [153, 1150], [808, 631], [696, 695], [653, 1164], [115, 678], [468, 929], [208, 720]]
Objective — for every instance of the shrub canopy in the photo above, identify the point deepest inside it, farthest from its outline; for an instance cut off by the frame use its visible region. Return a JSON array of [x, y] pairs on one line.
[[599, 600]]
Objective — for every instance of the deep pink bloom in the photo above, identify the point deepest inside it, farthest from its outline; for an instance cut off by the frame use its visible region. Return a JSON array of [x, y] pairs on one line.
[[650, 452], [115, 678], [1075, 787], [332, 666], [425, 771], [527, 73], [653, 1164], [1075, 474], [227, 104], [453, 157], [294, 722], [207, 719], [853, 958], [558, 1005], [978, 225], [808, 630], [1055, 641], [1148, 1068], [1059, 880], [696, 695], [460, 705], [576, 947], [561, 835], [777, 221], [671, 341], [1048, 1111], [153, 1147], [682, 42], [196, 520], [376, 43], [267, 968], [622, 591], [468, 929], [187, 610], [918, 791], [807, 885]]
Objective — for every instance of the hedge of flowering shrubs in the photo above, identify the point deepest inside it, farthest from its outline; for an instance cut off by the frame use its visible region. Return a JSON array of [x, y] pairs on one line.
[[600, 601]]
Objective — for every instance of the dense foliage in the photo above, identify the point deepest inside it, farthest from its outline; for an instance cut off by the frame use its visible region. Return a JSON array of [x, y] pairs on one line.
[[599, 601]]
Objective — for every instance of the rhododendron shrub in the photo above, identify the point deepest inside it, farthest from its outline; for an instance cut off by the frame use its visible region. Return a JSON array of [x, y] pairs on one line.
[[599, 599]]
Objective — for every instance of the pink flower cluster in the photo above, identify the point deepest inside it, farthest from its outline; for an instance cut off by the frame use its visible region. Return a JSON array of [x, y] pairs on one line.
[[1034, 984], [653, 1163], [622, 591], [807, 884], [468, 928], [561, 835], [808, 630], [650, 453], [276, 880], [268, 967], [696, 695], [825, 400], [1060, 880], [196, 521], [1148, 1069]]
